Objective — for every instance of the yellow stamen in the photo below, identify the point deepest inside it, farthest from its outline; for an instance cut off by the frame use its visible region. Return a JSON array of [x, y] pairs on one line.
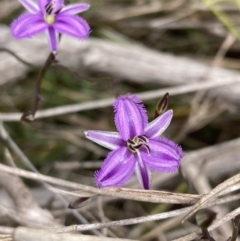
[[49, 19]]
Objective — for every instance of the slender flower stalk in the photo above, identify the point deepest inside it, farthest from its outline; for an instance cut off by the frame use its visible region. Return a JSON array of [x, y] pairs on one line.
[[137, 147], [52, 17]]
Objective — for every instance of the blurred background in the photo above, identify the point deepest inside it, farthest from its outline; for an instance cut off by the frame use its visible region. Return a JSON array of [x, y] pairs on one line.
[[135, 46]]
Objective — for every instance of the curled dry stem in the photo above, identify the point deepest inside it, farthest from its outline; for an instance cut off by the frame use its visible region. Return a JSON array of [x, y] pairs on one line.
[[30, 115]]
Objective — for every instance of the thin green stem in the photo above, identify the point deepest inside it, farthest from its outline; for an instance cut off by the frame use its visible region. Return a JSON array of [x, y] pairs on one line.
[[223, 18]]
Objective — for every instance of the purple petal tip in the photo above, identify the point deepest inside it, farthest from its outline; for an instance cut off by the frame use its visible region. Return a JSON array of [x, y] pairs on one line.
[[130, 116], [116, 170]]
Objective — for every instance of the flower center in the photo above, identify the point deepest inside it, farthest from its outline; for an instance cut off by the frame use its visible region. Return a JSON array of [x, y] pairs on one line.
[[49, 19], [51, 12], [134, 144]]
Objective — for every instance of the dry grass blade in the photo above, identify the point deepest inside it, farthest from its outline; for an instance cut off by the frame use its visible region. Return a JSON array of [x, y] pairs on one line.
[[216, 224], [27, 234], [124, 222], [125, 193], [137, 220], [60, 182], [88, 191], [213, 194]]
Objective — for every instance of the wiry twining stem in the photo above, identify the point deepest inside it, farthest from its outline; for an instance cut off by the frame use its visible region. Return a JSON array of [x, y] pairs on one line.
[[29, 116]]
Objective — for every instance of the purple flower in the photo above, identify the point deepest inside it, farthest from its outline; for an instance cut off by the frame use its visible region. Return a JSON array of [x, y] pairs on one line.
[[52, 17], [137, 147]]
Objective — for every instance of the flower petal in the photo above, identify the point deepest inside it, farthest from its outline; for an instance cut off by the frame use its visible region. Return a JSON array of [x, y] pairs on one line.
[[28, 25], [42, 4], [159, 125], [164, 156], [30, 6], [130, 116], [110, 140], [117, 168], [142, 172], [58, 4], [53, 39], [75, 8], [72, 25]]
